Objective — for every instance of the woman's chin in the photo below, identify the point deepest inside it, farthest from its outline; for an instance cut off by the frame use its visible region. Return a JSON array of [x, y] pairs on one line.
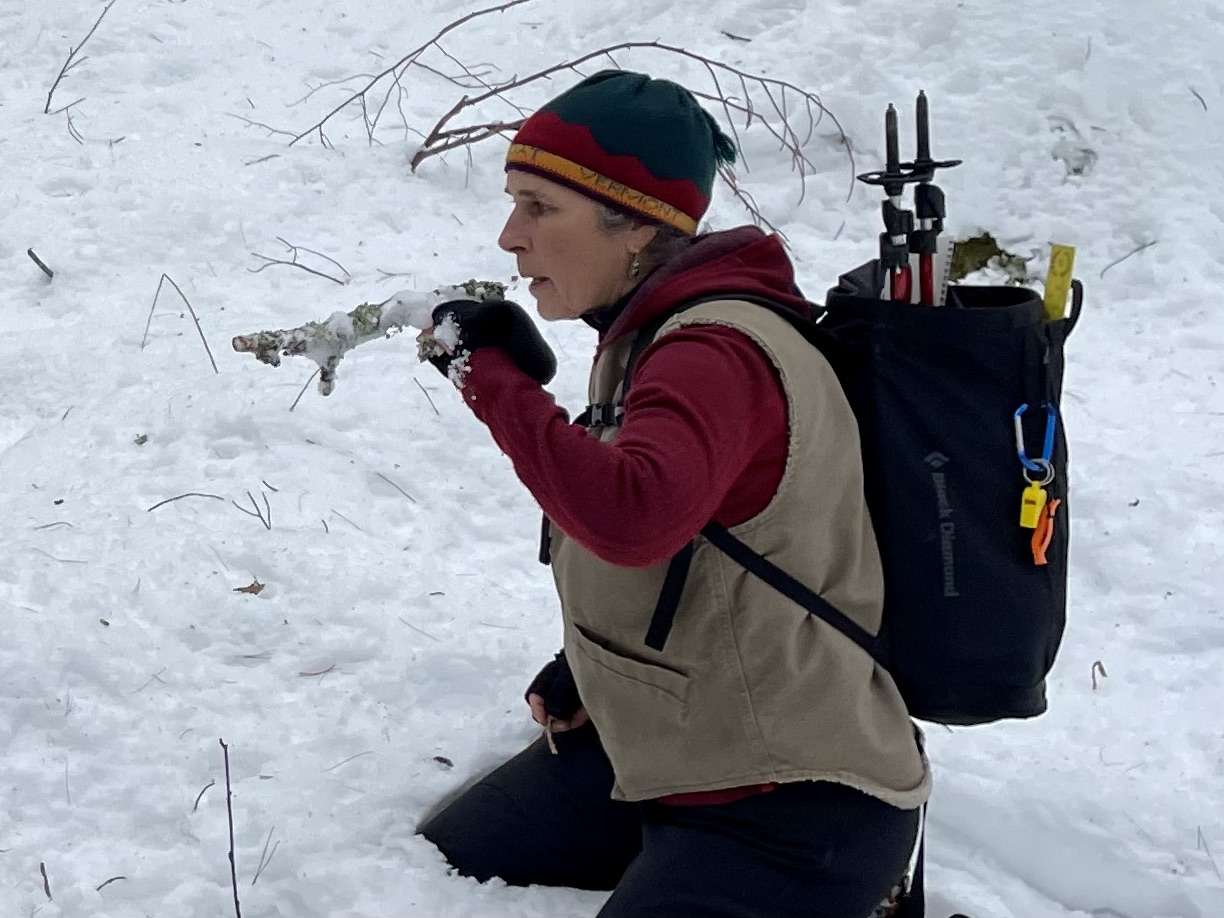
[[548, 307]]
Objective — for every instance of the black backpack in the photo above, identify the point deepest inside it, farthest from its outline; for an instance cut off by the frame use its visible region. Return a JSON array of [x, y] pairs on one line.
[[971, 620]]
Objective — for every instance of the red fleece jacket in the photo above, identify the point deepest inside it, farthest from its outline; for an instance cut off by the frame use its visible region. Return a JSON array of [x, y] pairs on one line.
[[705, 427]]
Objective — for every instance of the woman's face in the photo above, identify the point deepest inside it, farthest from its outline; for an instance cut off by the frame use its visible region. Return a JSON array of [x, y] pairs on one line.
[[574, 263]]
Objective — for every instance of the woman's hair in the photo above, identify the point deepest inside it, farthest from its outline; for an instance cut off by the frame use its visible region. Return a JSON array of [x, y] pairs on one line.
[[667, 243]]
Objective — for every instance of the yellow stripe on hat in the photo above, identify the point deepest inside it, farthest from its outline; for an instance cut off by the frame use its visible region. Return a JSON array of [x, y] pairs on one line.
[[523, 155]]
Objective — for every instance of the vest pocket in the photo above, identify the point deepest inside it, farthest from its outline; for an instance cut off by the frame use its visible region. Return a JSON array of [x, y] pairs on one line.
[[623, 677]]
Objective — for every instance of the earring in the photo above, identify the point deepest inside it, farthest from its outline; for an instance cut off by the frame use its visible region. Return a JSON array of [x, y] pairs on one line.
[[636, 267]]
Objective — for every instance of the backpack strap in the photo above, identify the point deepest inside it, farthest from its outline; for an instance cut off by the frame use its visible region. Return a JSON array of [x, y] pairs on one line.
[[793, 590], [677, 571]]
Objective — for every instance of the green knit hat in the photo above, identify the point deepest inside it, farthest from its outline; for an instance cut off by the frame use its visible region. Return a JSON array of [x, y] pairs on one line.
[[641, 144]]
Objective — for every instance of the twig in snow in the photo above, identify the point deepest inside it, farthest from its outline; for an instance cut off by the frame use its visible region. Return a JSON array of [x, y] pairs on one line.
[[42, 868], [1202, 843], [419, 630], [346, 519], [53, 525], [38, 261], [1098, 667], [72, 128], [71, 62], [60, 560], [427, 398], [229, 809], [156, 677], [294, 263], [166, 277], [735, 37], [1202, 101], [305, 385], [67, 789], [257, 513], [349, 759], [326, 531], [269, 487], [260, 124], [1146, 245], [322, 672], [265, 858], [200, 795], [394, 485], [170, 500], [106, 883], [262, 159]]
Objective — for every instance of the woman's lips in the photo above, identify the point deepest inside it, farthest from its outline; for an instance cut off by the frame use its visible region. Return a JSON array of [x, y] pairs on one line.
[[537, 283]]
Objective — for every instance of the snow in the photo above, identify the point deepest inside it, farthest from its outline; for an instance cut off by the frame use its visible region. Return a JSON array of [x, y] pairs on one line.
[[403, 611]]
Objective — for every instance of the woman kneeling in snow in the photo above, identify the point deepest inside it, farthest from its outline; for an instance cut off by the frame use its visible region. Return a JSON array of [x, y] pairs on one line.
[[711, 748]]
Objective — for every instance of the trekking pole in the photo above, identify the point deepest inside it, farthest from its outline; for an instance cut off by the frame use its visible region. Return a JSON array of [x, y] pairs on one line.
[[898, 223], [929, 204]]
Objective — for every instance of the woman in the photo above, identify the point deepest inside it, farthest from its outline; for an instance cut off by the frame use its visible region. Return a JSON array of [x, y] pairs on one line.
[[748, 760]]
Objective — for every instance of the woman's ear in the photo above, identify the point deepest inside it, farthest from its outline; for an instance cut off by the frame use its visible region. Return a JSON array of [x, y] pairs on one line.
[[640, 237]]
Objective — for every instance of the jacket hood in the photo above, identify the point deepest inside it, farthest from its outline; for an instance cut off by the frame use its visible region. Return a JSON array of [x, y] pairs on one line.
[[742, 261]]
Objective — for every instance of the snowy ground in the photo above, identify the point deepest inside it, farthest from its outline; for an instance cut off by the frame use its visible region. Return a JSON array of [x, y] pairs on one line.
[[382, 665]]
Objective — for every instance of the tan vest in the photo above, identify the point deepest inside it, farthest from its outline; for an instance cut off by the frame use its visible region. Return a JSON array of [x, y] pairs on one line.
[[749, 688]]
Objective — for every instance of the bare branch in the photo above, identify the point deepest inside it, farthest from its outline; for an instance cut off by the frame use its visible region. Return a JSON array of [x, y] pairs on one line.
[[166, 277], [305, 385], [72, 62], [355, 76], [229, 809], [200, 795], [442, 139], [427, 398], [38, 261], [260, 124], [1146, 245], [294, 263], [265, 858], [397, 487], [257, 513], [349, 759], [171, 500], [404, 62]]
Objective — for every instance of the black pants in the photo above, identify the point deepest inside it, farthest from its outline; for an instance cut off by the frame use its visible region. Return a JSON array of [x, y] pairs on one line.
[[807, 849]]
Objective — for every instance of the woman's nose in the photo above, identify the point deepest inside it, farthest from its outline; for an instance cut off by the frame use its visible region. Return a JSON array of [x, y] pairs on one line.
[[511, 238]]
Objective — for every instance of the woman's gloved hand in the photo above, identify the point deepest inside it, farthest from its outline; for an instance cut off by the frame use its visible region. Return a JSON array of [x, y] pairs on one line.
[[553, 697], [493, 323]]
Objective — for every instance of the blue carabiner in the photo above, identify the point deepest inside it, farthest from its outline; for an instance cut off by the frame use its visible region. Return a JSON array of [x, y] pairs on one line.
[[1047, 450]]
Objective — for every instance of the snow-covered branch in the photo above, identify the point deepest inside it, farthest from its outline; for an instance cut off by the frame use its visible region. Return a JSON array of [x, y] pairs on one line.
[[327, 341]]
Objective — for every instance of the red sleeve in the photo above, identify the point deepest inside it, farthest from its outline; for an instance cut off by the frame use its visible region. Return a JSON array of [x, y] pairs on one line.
[[705, 403]]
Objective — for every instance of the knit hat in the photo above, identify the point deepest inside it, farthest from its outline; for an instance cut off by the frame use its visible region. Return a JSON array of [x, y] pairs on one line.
[[641, 144]]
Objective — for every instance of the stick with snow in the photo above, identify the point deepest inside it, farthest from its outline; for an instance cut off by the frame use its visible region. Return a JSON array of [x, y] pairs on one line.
[[326, 342]]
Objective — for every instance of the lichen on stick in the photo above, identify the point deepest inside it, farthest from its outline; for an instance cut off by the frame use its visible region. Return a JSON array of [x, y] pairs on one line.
[[327, 341]]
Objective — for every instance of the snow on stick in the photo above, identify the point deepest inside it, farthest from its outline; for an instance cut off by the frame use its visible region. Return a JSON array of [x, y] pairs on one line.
[[327, 341]]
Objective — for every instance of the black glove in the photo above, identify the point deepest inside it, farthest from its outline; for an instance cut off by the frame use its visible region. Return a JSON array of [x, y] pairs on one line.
[[496, 323], [555, 684]]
